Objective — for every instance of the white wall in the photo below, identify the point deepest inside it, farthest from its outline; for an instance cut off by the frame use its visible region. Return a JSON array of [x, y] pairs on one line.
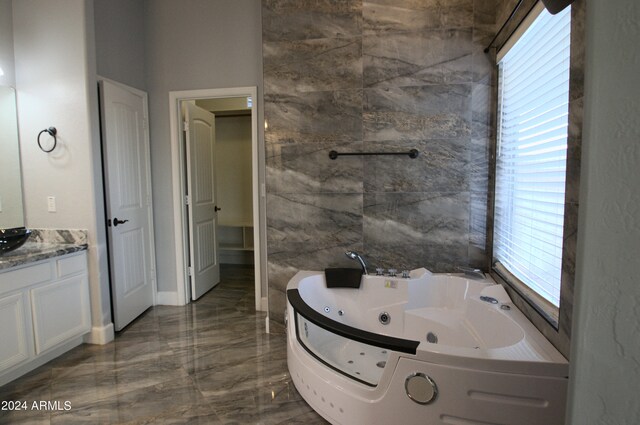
[[192, 44], [605, 361], [55, 80], [233, 170]]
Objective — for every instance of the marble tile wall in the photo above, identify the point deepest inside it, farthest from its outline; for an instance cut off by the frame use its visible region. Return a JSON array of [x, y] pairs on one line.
[[377, 75]]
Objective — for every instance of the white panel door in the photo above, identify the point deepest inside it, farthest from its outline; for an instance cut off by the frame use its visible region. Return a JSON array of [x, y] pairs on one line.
[[127, 171], [201, 184]]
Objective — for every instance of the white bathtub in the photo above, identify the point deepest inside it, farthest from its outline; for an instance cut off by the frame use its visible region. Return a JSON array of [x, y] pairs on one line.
[[447, 354]]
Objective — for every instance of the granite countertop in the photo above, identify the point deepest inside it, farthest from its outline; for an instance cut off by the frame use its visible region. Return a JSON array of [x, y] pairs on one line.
[[43, 244]]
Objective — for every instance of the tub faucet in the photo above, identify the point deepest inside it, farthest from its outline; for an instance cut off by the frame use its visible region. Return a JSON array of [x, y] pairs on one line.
[[355, 256], [471, 272]]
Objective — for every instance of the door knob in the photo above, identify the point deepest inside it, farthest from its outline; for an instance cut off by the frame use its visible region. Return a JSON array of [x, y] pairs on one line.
[[116, 222], [216, 209]]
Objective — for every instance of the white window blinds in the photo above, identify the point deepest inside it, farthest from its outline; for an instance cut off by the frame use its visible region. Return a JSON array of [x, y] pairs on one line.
[[531, 154]]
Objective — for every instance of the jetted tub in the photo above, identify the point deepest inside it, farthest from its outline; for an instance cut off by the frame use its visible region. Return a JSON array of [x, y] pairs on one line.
[[428, 349]]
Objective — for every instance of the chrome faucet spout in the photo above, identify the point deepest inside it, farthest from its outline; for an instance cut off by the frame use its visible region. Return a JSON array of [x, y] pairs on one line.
[[355, 256], [471, 272]]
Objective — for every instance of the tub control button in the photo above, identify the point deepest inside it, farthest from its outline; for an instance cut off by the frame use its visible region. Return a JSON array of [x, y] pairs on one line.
[[384, 318], [421, 388], [392, 272], [379, 271]]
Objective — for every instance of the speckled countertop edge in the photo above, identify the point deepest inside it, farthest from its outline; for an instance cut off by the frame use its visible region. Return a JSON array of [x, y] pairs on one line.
[[44, 244]]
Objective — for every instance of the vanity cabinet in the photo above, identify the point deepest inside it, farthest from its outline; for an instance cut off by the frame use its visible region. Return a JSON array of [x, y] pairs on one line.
[[44, 311]]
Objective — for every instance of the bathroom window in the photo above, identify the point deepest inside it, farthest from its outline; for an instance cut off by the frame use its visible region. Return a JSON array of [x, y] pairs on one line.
[[531, 156]]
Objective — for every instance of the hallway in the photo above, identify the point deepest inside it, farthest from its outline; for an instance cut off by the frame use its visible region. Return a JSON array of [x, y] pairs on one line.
[[209, 362]]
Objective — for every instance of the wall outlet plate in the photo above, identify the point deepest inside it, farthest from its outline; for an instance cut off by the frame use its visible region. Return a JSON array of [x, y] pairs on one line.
[[51, 203]]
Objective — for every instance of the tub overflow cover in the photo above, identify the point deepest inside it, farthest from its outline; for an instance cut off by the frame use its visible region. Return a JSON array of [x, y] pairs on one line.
[[421, 388]]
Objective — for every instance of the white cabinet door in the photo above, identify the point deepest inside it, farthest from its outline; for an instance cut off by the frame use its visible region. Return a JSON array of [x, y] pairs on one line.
[[14, 332], [60, 311]]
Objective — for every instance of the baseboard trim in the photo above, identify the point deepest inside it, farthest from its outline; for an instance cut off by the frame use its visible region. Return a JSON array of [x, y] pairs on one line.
[[264, 304], [167, 298], [100, 335]]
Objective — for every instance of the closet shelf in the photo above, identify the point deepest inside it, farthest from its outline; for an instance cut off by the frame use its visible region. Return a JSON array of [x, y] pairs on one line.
[[235, 237]]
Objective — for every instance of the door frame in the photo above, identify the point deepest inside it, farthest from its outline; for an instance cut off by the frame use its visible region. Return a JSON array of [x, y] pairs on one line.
[[178, 161]]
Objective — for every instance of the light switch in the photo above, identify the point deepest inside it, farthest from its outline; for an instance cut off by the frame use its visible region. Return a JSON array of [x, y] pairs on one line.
[[51, 203]]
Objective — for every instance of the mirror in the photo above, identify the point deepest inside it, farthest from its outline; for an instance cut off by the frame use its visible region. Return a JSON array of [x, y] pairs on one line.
[[11, 213]]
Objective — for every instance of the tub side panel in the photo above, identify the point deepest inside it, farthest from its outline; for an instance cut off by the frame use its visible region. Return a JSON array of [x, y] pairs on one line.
[[471, 396]]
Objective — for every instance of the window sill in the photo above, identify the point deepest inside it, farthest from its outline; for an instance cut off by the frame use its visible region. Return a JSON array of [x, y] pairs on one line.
[[548, 311]]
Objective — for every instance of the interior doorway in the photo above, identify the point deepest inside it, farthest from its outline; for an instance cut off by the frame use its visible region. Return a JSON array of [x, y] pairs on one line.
[[236, 235]]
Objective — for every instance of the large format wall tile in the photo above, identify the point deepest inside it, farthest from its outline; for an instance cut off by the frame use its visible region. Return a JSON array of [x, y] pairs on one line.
[[313, 65], [394, 16], [307, 168], [416, 15], [410, 230], [484, 29], [317, 219], [438, 217], [457, 57], [310, 19], [415, 58], [457, 13], [379, 75], [403, 59], [442, 164], [313, 117], [402, 113]]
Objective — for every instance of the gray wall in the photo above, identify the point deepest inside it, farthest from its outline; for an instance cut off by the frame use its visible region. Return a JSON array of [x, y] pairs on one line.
[[371, 76], [191, 44], [7, 61], [56, 85], [119, 33], [605, 361]]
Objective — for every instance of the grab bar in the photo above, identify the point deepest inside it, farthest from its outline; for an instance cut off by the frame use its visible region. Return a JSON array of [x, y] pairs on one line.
[[413, 153], [383, 341]]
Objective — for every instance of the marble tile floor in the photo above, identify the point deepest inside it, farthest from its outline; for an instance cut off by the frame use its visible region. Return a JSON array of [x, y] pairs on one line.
[[210, 362]]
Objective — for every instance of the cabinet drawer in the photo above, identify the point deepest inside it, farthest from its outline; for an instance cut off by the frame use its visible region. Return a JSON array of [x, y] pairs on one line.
[[72, 265], [25, 276]]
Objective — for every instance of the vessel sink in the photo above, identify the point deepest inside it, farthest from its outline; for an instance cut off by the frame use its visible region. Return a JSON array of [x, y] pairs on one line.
[[11, 239]]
